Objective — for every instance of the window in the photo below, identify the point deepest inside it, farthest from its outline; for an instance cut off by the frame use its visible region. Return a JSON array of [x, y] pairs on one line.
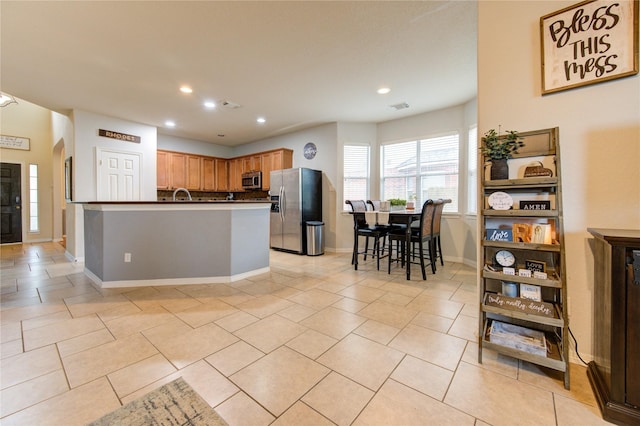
[[472, 171], [34, 225], [356, 173], [436, 176]]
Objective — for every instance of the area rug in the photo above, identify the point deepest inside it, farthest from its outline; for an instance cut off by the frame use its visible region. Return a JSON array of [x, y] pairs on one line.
[[173, 404]]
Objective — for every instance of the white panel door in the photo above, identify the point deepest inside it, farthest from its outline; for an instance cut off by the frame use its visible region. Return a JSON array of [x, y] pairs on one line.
[[118, 176]]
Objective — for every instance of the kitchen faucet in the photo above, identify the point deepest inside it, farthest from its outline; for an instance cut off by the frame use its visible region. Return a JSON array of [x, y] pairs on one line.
[[184, 190]]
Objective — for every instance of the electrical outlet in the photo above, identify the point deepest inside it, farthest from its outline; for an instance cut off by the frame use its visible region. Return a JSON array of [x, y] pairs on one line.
[[127, 257]]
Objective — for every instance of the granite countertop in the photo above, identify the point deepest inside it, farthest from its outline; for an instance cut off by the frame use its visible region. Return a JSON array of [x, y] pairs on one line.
[[263, 200]]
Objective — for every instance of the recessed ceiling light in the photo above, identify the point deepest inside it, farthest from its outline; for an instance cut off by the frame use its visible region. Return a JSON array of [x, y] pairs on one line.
[[261, 120], [170, 123], [185, 89], [209, 104], [383, 90]]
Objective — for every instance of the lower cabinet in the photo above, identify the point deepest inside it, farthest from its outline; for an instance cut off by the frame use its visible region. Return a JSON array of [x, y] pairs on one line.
[[614, 372]]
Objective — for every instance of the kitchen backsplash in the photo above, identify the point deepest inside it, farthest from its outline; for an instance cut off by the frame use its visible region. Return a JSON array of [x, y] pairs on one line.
[[204, 196]]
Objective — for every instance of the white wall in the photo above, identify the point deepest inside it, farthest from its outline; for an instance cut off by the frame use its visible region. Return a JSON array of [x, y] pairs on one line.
[[599, 138], [87, 142], [324, 137], [83, 148], [28, 120], [174, 143]]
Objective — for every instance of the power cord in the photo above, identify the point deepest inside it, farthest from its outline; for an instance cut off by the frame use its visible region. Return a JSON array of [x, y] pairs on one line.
[[576, 344]]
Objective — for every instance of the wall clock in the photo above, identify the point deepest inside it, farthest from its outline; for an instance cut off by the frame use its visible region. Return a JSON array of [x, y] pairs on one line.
[[505, 258], [310, 151]]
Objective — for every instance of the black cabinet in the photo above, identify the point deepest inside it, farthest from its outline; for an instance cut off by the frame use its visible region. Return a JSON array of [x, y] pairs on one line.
[[614, 373]]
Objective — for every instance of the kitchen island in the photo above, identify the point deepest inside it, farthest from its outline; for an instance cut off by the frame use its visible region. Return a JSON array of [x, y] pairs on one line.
[[132, 244]]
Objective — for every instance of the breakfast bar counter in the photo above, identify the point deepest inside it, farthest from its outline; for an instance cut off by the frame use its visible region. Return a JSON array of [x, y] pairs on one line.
[[131, 244]]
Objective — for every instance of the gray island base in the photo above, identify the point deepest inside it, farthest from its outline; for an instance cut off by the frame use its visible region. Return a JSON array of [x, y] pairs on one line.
[[130, 244]]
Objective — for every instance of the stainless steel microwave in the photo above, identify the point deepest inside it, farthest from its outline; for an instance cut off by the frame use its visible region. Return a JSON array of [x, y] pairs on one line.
[[252, 180]]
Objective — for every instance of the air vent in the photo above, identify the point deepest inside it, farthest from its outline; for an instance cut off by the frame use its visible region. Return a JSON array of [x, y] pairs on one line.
[[400, 106], [230, 105]]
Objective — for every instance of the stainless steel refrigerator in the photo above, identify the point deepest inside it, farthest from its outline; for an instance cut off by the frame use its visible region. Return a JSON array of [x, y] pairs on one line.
[[296, 198]]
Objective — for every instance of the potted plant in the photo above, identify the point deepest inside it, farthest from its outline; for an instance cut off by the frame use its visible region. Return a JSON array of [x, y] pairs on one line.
[[499, 148], [397, 203]]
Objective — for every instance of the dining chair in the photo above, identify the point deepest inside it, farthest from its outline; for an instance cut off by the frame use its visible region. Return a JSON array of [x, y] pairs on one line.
[[420, 236], [437, 220], [366, 230]]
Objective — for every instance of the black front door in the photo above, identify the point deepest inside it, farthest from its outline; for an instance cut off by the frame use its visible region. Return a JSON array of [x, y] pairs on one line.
[[10, 203]]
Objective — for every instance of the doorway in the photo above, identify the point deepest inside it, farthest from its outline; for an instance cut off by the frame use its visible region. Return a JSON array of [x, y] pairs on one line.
[[10, 203]]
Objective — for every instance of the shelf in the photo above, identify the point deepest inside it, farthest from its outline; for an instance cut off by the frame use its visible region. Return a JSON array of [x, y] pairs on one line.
[[549, 315], [550, 282], [553, 359], [522, 246], [552, 214], [526, 183], [555, 321]]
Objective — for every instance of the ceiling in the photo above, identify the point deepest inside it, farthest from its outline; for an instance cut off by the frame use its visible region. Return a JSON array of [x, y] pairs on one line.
[[297, 64]]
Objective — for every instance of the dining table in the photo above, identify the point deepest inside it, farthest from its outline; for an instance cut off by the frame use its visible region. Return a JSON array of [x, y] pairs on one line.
[[396, 217]]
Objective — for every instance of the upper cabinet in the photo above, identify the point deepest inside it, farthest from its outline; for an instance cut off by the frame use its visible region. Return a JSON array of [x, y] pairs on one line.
[[163, 175], [235, 174], [275, 160], [202, 173], [179, 170]]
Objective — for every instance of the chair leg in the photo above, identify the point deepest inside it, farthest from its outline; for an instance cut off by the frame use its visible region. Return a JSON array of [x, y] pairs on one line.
[[432, 259], [366, 247], [440, 250], [424, 273]]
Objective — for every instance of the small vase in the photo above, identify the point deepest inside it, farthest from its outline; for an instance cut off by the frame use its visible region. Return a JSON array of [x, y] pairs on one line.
[[499, 169]]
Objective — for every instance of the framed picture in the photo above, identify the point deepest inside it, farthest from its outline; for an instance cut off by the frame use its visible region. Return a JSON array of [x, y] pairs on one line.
[[68, 179], [590, 42]]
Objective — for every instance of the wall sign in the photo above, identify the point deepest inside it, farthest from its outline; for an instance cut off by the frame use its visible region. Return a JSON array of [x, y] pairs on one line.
[[15, 142], [119, 136], [535, 205], [590, 42], [520, 305]]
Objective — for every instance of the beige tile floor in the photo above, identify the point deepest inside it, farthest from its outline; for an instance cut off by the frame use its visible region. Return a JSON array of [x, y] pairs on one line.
[[313, 342]]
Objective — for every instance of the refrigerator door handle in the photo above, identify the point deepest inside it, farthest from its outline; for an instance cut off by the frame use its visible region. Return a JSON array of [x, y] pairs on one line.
[[283, 197], [280, 203]]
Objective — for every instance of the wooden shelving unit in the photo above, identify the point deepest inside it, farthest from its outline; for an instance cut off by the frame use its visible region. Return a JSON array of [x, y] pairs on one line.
[[541, 146]]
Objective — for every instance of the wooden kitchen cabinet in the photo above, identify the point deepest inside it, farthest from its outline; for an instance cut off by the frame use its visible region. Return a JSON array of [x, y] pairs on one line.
[[275, 160], [222, 174], [163, 159], [194, 172], [178, 170], [209, 174], [251, 163], [235, 174], [185, 171], [203, 173], [614, 373]]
